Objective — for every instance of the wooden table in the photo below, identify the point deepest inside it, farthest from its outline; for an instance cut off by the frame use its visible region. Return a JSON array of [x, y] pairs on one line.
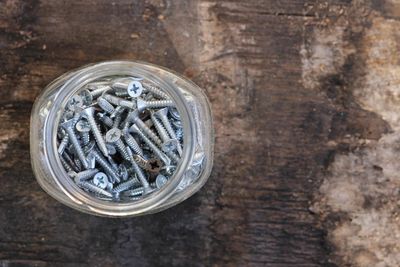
[[280, 77]]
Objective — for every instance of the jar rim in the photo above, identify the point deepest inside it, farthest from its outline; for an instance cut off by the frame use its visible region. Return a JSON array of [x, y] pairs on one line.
[[73, 84]]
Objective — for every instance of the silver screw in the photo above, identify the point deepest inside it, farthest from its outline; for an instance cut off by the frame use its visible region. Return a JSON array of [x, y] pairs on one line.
[[162, 115], [161, 180], [100, 180], [105, 119], [64, 142], [122, 172], [168, 143], [99, 90], [113, 136], [105, 105], [142, 104], [126, 185], [84, 128], [75, 103], [119, 101], [156, 91], [152, 146], [138, 172], [69, 128], [133, 192], [106, 166], [134, 116], [88, 113], [131, 142], [111, 149], [93, 188], [85, 175], [86, 97], [134, 89]]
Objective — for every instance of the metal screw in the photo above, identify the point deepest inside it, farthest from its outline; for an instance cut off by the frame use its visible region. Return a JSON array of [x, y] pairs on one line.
[[100, 180], [161, 180], [113, 136], [142, 104], [139, 172], [93, 188], [152, 146], [134, 89], [69, 128], [154, 90], [105, 119], [132, 143], [106, 166], [88, 113], [119, 101], [105, 105], [168, 143], [84, 128]]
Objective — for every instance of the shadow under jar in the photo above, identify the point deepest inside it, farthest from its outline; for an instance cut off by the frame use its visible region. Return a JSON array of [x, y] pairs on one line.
[[66, 105]]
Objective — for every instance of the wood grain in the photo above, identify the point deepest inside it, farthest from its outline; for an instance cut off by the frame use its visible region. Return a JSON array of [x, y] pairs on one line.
[[271, 148]]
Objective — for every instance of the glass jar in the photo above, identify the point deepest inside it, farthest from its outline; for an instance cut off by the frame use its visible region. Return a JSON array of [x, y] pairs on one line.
[[191, 172]]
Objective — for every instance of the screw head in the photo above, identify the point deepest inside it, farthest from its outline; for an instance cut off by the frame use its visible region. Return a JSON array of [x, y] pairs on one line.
[[154, 165], [169, 145], [161, 180], [135, 88], [123, 172], [87, 97], [113, 135], [100, 180], [82, 126], [75, 102]]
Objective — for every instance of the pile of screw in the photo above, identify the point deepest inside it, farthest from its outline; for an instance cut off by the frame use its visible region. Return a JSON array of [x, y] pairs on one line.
[[120, 138]]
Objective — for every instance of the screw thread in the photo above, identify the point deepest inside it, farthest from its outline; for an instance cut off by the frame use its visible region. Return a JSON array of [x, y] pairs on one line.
[[159, 104], [63, 144], [147, 131], [131, 142], [85, 136], [117, 121], [106, 120], [160, 128], [86, 174], [67, 167], [95, 189], [78, 148], [121, 93], [139, 173], [125, 185], [78, 163], [106, 166], [154, 90], [134, 192], [122, 149], [105, 105], [97, 135], [119, 101], [99, 91], [167, 125], [155, 149]]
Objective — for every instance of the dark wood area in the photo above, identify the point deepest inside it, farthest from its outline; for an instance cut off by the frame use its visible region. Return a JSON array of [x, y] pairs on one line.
[[274, 131]]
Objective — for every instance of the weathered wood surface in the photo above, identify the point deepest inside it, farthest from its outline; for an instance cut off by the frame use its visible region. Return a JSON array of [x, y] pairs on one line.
[[280, 119]]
